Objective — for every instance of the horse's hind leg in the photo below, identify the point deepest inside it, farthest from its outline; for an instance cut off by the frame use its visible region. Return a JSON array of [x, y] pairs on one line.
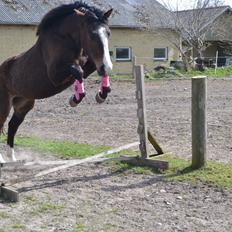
[[5, 106], [21, 107]]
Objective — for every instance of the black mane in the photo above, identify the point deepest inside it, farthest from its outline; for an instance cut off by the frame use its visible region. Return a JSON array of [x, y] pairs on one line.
[[64, 10]]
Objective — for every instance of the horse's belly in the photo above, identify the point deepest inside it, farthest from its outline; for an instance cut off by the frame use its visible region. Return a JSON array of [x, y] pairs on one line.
[[36, 87]]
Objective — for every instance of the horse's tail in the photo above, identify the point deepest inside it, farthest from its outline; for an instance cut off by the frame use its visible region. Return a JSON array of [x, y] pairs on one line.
[[4, 71], [5, 68]]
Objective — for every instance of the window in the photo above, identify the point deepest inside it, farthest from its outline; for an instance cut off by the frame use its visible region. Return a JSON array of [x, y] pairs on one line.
[[160, 53], [123, 54]]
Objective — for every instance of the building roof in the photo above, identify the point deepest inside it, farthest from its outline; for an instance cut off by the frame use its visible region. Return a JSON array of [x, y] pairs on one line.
[[30, 12], [204, 16]]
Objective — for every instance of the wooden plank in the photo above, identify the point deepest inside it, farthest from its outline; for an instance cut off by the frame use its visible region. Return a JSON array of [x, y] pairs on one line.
[[9, 194], [154, 143], [60, 162], [13, 163], [199, 121], [48, 163], [98, 160], [86, 160], [141, 111], [139, 161]]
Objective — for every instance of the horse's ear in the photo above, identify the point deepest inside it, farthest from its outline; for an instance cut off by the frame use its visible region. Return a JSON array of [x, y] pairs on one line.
[[108, 13], [79, 12]]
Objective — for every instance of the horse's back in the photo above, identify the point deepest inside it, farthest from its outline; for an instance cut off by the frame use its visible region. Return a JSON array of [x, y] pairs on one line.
[[26, 75]]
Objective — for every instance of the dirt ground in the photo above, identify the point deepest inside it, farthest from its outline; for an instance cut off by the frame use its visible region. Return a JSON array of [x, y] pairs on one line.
[[92, 197]]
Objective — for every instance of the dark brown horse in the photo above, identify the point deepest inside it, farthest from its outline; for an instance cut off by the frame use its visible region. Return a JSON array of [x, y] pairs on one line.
[[47, 68]]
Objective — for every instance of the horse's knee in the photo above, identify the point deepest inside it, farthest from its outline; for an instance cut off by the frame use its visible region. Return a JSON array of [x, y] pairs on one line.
[[77, 72]]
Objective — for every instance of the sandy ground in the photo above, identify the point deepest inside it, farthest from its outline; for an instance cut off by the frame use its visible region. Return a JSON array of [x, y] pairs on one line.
[[115, 123], [93, 197]]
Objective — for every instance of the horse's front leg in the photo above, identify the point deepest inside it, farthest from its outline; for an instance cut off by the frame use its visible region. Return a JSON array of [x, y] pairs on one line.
[[104, 89], [79, 88]]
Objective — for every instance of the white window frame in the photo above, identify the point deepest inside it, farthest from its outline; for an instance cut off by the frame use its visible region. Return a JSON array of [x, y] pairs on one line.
[[161, 58], [123, 59]]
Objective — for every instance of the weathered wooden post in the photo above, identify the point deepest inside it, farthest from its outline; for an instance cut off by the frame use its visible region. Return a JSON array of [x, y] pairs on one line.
[[141, 111], [134, 61], [199, 121]]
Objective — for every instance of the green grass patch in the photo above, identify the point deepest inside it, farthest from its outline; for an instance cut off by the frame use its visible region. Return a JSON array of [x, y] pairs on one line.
[[172, 74], [3, 215], [121, 77], [78, 227], [116, 77], [216, 174], [18, 226], [63, 149], [168, 74], [48, 206], [210, 72], [3, 229]]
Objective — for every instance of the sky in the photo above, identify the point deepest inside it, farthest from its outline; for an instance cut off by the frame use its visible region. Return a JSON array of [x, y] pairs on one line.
[[184, 4]]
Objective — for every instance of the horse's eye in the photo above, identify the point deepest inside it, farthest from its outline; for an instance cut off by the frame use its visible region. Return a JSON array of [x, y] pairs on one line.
[[94, 35], [108, 33]]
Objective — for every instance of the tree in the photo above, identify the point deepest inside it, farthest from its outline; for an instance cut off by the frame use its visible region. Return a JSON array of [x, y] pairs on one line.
[[192, 26]]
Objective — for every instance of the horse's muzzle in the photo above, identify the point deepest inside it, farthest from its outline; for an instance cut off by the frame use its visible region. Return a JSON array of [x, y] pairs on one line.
[[102, 71]]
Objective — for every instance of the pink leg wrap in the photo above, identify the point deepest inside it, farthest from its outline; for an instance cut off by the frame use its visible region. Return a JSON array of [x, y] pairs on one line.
[[105, 82], [104, 89], [79, 89]]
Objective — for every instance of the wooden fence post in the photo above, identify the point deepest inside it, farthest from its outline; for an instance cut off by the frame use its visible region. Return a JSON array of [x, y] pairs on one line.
[[199, 121], [141, 101], [133, 66]]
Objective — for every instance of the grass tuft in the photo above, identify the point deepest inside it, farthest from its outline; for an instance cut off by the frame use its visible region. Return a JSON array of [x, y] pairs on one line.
[[18, 227], [210, 72], [47, 206], [216, 174], [78, 228], [63, 149]]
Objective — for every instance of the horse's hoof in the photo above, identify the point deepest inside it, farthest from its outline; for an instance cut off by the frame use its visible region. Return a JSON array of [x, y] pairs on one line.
[[72, 103], [11, 154], [2, 160], [99, 99]]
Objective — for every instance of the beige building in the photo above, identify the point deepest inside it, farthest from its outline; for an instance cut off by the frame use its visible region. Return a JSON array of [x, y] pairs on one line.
[[128, 40], [135, 46], [125, 44], [14, 39], [129, 43]]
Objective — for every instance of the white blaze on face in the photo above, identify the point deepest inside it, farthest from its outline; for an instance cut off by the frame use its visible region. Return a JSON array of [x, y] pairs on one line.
[[106, 59]]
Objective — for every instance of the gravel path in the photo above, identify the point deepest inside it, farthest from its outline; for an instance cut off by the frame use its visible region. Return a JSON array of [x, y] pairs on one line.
[[93, 197]]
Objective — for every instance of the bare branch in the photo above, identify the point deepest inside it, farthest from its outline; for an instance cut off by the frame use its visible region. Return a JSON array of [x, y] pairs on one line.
[[193, 26]]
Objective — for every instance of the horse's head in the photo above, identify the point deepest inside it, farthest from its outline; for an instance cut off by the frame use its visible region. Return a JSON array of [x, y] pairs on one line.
[[94, 34]]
